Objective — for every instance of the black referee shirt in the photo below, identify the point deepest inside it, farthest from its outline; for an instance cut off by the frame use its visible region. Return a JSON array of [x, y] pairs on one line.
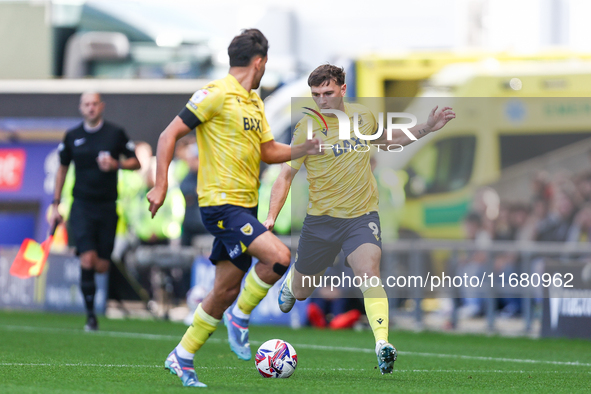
[[83, 148]]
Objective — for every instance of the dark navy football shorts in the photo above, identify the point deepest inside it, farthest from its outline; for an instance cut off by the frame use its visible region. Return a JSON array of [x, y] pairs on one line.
[[234, 229], [323, 237]]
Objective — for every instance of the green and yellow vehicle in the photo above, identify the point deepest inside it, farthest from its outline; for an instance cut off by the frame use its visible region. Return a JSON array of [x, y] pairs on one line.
[[507, 113], [510, 108]]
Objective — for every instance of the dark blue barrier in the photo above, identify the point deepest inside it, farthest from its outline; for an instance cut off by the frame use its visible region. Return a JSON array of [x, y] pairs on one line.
[[56, 289]]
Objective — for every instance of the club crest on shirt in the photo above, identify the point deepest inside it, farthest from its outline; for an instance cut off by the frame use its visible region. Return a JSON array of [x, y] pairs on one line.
[[246, 229], [198, 97]]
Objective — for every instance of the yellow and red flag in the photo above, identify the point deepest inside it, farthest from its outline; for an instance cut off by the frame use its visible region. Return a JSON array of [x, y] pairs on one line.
[[31, 257]]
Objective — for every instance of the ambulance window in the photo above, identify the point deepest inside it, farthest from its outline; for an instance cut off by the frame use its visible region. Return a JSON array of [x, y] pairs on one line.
[[516, 148], [454, 163], [442, 167]]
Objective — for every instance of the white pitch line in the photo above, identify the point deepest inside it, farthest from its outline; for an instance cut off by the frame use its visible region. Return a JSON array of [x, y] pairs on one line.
[[440, 355], [120, 334], [300, 369], [78, 365], [114, 334], [501, 359]]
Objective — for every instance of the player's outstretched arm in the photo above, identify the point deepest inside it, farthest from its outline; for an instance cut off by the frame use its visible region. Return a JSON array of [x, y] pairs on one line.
[[279, 193], [164, 153], [273, 152], [435, 121]]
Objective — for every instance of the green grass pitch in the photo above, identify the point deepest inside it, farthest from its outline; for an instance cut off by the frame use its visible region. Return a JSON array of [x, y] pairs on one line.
[[49, 353]]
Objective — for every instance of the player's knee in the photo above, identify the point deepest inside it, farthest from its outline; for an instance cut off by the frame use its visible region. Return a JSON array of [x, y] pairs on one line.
[[283, 257], [101, 265], [87, 260]]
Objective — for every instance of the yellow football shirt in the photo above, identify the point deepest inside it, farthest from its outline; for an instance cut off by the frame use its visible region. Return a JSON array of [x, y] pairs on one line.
[[341, 182], [229, 138]]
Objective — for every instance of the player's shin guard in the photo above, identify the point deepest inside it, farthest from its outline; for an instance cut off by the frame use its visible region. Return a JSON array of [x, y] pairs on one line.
[[203, 326], [88, 287], [253, 292], [376, 308]]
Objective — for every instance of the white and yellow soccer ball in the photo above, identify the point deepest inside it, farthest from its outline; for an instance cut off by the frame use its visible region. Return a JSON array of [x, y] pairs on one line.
[[276, 359]]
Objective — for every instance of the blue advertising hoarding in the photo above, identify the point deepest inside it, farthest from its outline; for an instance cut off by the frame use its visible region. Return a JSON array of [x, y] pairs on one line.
[[267, 312], [57, 289], [27, 175]]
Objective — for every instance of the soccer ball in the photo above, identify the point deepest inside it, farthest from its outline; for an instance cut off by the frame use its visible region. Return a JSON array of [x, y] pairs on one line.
[[276, 359]]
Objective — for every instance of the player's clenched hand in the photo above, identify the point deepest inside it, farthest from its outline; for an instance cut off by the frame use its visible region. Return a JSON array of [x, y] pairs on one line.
[[439, 119], [269, 224], [313, 146], [156, 198]]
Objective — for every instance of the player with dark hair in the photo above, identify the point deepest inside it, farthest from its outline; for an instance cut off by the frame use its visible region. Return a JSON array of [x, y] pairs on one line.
[[343, 204], [233, 137], [95, 147]]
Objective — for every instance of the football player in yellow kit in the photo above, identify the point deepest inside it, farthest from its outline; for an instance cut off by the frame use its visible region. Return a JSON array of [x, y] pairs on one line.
[[233, 137], [342, 211]]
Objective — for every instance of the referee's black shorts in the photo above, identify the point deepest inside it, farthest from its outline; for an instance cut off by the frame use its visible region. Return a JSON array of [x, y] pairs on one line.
[[92, 226]]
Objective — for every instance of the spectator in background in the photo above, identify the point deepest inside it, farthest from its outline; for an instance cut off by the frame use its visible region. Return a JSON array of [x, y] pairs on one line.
[[518, 217], [144, 154], [580, 230], [486, 203], [583, 184], [556, 226], [503, 230], [179, 167], [475, 230], [512, 218], [473, 264], [130, 185], [541, 186], [192, 224], [537, 212], [158, 231]]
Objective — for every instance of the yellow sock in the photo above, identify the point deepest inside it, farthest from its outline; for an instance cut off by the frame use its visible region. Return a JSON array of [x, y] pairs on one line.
[[253, 292], [203, 326], [376, 308]]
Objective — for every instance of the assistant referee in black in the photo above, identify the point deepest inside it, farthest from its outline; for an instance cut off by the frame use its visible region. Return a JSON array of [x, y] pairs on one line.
[[96, 147]]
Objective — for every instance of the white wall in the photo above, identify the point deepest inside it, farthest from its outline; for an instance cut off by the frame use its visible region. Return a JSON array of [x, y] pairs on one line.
[[25, 41]]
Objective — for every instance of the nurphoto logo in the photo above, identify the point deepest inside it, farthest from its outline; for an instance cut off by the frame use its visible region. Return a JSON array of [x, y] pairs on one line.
[[345, 128]]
